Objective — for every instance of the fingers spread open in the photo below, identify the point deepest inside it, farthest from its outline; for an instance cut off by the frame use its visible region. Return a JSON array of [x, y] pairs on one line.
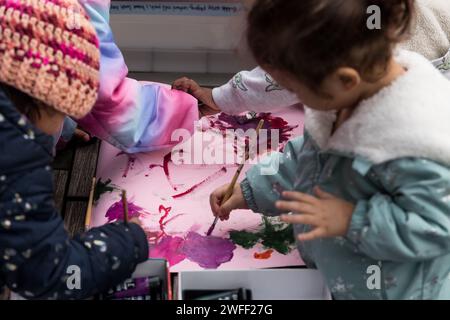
[[295, 206], [299, 196], [300, 219]]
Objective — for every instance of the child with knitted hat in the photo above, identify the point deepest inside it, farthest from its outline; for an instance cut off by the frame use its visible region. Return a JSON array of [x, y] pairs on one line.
[[50, 61]]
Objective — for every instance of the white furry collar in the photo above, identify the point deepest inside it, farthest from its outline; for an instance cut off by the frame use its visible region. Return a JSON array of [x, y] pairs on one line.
[[410, 118]]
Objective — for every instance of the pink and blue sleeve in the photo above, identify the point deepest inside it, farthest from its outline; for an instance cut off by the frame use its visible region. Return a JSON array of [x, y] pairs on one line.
[[133, 116]]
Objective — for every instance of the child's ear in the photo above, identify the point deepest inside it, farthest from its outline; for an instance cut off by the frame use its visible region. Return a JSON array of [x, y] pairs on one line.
[[348, 78]]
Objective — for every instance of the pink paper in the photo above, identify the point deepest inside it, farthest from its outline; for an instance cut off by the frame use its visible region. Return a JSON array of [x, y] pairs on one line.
[[176, 211]]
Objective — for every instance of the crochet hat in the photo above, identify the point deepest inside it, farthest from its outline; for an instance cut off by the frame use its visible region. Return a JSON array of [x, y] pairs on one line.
[[49, 50]]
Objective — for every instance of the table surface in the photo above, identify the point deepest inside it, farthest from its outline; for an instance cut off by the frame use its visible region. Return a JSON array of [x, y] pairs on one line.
[[74, 168]]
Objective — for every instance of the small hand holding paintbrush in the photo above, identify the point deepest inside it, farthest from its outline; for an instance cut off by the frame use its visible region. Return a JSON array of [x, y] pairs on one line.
[[230, 189]]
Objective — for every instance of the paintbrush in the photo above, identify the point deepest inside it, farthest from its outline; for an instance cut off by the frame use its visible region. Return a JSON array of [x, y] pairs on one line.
[[230, 189], [125, 207], [87, 221]]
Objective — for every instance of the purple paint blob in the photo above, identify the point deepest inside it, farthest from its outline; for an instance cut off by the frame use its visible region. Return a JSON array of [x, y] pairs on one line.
[[115, 212], [141, 288], [208, 252], [169, 248], [224, 122]]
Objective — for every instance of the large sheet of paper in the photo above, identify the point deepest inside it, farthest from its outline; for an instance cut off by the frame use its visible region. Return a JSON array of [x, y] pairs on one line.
[[171, 197]]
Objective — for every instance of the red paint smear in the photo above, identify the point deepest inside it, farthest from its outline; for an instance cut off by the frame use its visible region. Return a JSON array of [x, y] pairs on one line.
[[208, 179], [226, 122], [130, 163], [165, 166], [130, 166], [263, 255], [163, 217], [153, 234], [166, 161], [168, 247], [173, 218], [152, 166]]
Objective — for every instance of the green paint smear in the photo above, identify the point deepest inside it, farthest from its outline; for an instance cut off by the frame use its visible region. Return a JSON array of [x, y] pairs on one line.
[[245, 239], [102, 188], [275, 236]]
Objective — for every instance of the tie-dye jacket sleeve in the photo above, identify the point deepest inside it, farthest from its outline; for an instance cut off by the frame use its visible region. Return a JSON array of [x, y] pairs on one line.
[[134, 116]]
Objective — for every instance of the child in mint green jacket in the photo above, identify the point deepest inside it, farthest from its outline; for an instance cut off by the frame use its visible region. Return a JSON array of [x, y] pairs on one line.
[[368, 185]]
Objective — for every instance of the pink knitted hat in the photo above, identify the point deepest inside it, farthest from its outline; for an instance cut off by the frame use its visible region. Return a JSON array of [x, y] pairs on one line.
[[49, 50]]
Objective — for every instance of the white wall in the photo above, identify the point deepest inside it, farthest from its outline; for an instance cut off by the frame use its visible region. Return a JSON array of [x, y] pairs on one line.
[[175, 43]]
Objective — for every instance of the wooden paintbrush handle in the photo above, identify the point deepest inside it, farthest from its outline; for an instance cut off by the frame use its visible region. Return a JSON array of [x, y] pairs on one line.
[[87, 220], [125, 206], [230, 189]]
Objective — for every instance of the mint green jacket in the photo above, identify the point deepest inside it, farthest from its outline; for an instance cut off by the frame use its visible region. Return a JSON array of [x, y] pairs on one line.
[[391, 159]]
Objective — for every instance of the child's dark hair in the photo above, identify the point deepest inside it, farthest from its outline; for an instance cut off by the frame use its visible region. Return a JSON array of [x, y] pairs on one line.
[[311, 38], [25, 104]]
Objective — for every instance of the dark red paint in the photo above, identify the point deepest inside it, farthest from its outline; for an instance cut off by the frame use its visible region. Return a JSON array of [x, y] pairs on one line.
[[208, 179]]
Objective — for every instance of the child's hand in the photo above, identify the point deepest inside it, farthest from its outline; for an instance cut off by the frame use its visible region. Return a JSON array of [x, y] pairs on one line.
[[204, 95], [330, 216], [236, 201], [147, 232], [136, 221]]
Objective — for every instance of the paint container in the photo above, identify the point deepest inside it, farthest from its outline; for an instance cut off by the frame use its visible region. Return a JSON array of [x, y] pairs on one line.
[[137, 289], [240, 294]]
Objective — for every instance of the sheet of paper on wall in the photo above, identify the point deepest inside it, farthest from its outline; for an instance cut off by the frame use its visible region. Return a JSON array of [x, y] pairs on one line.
[[219, 8], [171, 198]]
